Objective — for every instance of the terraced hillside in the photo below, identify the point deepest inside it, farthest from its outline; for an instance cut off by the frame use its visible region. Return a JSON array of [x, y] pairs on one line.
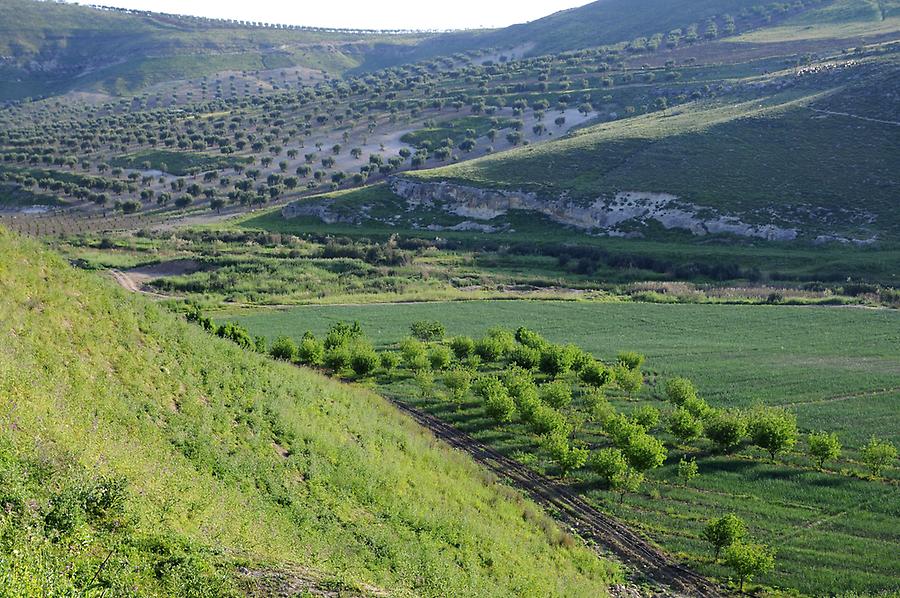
[[140, 455]]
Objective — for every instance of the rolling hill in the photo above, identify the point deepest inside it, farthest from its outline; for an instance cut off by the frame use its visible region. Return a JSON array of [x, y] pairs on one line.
[[670, 24], [140, 455], [54, 48]]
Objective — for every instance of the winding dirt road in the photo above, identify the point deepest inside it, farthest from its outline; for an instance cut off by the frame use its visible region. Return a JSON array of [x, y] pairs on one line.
[[600, 530]]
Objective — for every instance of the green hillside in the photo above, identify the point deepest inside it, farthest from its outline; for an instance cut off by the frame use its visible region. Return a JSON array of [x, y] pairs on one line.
[[677, 23], [140, 455], [56, 47], [816, 155]]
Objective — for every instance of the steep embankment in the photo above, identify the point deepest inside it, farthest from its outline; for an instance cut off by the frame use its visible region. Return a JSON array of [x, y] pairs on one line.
[[139, 453]]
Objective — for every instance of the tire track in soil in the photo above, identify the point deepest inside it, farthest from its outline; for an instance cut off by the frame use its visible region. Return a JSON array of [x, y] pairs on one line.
[[572, 510]]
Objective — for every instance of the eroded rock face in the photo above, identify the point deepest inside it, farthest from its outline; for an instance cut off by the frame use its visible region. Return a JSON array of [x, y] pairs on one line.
[[602, 215]]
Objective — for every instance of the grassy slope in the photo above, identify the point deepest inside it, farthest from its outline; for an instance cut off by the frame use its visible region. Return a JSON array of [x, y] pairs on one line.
[[608, 22], [838, 19], [744, 158], [829, 365], [232, 458], [119, 52]]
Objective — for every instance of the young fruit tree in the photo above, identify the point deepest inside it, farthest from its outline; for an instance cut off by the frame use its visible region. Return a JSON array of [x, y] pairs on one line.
[[748, 560], [773, 430], [878, 455], [567, 455], [823, 447], [688, 470], [724, 531]]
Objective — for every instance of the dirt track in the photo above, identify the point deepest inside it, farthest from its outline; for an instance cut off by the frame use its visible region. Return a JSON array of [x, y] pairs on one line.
[[136, 279], [598, 529]]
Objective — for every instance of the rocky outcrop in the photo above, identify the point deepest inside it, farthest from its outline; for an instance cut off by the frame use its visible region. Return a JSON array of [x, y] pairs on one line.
[[607, 215]]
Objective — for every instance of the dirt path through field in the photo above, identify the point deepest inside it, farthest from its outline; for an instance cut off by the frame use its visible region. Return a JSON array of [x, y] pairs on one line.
[[857, 117], [600, 530], [135, 279]]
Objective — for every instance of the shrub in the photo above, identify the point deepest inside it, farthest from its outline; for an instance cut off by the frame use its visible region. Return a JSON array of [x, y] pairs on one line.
[[566, 454], [621, 429], [580, 359], [64, 512], [628, 379], [630, 359], [517, 380], [557, 394], [440, 357], [463, 347], [644, 452], [497, 402], [427, 330], [338, 358], [284, 348], [390, 360], [311, 351], [525, 357], [556, 360], [596, 374], [530, 338], [458, 382], [364, 360], [679, 390], [545, 419], [697, 407], [342, 333], [504, 337], [687, 470], [599, 409], [414, 353], [489, 349]]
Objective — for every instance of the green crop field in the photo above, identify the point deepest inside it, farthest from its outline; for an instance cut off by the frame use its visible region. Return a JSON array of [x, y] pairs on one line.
[[836, 368], [177, 163]]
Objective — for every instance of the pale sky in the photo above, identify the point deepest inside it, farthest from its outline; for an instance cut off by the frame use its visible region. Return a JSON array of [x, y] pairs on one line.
[[389, 14]]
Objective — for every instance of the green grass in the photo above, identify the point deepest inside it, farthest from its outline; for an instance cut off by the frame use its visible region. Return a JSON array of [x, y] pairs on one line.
[[228, 459], [454, 129], [668, 255], [177, 163], [829, 365]]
